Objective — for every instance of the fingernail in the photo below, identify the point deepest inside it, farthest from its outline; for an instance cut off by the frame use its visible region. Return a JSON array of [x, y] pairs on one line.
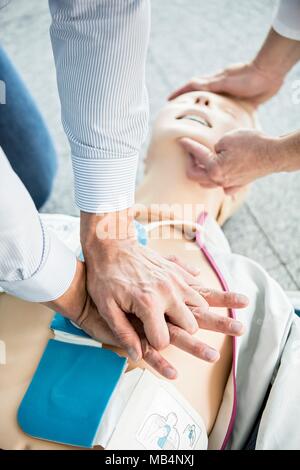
[[242, 299], [134, 355], [212, 355], [193, 327], [170, 373], [205, 293], [204, 290], [193, 270], [236, 327], [183, 140]]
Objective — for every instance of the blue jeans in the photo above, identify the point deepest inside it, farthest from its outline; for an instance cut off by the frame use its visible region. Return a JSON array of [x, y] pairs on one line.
[[24, 137]]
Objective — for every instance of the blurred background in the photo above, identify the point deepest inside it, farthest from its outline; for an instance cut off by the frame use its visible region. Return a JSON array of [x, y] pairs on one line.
[[189, 37]]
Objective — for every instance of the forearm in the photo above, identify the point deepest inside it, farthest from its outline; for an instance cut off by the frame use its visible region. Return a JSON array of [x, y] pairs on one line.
[[281, 49], [277, 55], [100, 54]]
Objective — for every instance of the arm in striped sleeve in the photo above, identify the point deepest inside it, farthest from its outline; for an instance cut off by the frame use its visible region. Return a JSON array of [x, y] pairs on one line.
[[100, 52]]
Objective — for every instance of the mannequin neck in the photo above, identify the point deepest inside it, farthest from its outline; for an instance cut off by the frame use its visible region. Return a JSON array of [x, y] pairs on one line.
[[165, 185]]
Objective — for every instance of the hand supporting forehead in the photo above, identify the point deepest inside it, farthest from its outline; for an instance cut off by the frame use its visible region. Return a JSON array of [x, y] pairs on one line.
[[247, 81]]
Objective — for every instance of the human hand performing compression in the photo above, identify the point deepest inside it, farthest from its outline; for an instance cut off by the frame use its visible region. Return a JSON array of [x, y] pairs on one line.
[[77, 305]]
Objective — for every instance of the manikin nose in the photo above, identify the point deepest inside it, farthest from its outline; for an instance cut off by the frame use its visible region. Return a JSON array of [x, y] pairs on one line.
[[202, 100]]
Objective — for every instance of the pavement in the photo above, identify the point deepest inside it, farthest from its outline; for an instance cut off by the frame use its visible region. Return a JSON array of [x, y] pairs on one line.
[[189, 37]]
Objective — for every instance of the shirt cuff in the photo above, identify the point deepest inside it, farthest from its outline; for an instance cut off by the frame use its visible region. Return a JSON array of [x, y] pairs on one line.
[[52, 279], [106, 184], [287, 18], [285, 30]]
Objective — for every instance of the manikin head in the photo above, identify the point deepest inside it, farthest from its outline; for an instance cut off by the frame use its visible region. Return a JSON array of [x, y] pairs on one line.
[[204, 117]]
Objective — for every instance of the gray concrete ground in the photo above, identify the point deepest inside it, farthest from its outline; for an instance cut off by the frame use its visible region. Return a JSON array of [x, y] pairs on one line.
[[189, 37]]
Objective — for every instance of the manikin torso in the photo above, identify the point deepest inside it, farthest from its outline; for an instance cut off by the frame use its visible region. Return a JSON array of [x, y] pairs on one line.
[[24, 328]]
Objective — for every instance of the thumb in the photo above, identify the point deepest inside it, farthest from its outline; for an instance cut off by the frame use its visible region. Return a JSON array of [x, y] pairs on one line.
[[203, 167], [200, 152], [94, 325]]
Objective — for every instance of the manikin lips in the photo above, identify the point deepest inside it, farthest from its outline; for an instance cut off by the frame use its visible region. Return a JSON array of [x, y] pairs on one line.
[[196, 118]]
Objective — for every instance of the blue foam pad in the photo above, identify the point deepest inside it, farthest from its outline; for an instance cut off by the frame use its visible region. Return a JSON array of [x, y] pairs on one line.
[[61, 323], [69, 393]]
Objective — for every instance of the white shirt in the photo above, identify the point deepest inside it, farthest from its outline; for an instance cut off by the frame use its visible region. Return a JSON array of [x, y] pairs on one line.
[[287, 19], [34, 264]]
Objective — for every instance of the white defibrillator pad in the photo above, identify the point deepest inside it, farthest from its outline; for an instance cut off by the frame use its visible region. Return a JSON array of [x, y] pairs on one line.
[[148, 413]]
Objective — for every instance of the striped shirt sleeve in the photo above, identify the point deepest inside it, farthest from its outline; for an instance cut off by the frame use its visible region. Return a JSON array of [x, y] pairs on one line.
[[31, 258], [100, 50]]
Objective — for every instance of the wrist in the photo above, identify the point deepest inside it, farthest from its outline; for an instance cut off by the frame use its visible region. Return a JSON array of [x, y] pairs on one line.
[[107, 228], [288, 152], [269, 70], [72, 302], [277, 56], [272, 155]]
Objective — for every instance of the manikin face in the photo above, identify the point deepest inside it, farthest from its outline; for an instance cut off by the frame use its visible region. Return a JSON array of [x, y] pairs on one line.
[[202, 116]]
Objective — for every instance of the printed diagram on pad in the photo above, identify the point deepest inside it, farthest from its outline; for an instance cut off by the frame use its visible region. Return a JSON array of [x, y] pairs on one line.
[[159, 432], [190, 434], [173, 430]]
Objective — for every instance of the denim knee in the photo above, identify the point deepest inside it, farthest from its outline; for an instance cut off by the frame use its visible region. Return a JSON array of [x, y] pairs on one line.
[[24, 136]]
